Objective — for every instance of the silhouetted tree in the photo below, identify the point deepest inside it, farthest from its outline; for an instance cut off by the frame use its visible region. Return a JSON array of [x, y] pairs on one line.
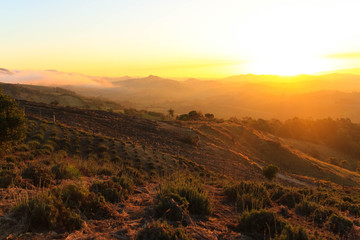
[[209, 116], [12, 123], [171, 112], [194, 115]]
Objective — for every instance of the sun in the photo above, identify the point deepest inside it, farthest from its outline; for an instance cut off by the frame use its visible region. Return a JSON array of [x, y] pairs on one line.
[[286, 65]]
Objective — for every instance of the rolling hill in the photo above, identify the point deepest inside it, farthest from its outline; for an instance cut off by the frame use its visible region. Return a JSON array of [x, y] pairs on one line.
[[56, 95]]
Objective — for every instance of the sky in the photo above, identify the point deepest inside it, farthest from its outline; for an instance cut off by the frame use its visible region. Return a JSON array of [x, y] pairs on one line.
[[187, 38]]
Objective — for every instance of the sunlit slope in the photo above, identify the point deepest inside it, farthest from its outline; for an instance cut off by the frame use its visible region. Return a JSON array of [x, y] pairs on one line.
[[263, 149], [224, 147]]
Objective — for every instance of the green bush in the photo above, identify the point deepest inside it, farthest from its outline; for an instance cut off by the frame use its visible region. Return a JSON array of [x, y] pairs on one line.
[[306, 208], [61, 208], [248, 195], [38, 137], [125, 182], [8, 177], [33, 144], [23, 148], [12, 123], [46, 211], [292, 233], [48, 147], [112, 191], [161, 231], [40, 175], [79, 198], [270, 171], [199, 202], [321, 215], [290, 199], [105, 172], [65, 171], [340, 225], [260, 224], [171, 206]]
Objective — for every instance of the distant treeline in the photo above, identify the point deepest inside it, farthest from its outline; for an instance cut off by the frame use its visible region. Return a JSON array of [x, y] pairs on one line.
[[340, 134]]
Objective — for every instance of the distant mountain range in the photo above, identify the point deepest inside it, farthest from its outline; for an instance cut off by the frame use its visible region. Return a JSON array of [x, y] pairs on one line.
[[262, 96]]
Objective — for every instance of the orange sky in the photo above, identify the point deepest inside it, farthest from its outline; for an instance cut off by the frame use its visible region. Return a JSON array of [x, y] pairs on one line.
[[195, 38]]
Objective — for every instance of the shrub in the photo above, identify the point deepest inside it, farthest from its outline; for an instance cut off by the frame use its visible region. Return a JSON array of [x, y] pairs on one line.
[[171, 206], [292, 233], [321, 215], [38, 137], [290, 199], [48, 147], [65, 171], [161, 230], [248, 195], [340, 225], [40, 175], [12, 123], [125, 182], [270, 171], [306, 208], [34, 144], [61, 208], [132, 173], [102, 148], [79, 198], [105, 172], [112, 191], [199, 202], [8, 177], [23, 148], [260, 224], [46, 211]]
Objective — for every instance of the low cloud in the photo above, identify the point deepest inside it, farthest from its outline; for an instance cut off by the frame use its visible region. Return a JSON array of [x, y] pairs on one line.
[[51, 78]]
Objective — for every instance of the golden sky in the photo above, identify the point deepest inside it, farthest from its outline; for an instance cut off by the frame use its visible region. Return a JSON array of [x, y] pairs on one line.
[[188, 38]]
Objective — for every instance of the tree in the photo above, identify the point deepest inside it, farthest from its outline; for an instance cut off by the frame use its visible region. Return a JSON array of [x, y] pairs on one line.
[[270, 171], [194, 115], [12, 123], [209, 116], [171, 112]]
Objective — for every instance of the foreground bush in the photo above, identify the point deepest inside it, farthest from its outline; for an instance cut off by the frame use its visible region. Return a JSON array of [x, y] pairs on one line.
[[306, 208], [248, 195], [39, 174], [340, 225], [162, 231], [61, 209], [172, 206], [65, 171], [114, 190], [292, 233], [197, 200], [8, 177], [47, 212], [260, 224]]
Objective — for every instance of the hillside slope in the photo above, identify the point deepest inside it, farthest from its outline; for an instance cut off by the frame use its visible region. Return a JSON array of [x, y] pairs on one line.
[[61, 96], [94, 174], [224, 147]]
